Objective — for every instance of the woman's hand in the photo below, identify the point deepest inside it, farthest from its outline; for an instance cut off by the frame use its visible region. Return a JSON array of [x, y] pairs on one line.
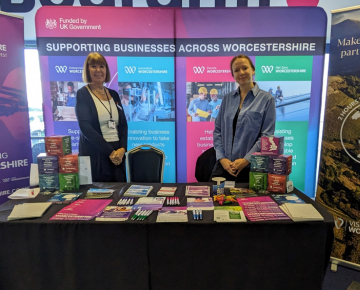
[[226, 164], [117, 156], [238, 165]]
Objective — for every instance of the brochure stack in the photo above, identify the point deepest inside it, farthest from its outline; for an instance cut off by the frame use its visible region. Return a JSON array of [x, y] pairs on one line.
[[69, 172], [58, 168], [270, 169], [48, 172]]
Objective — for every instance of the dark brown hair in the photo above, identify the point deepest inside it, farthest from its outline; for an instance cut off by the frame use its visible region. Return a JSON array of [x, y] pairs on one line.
[[241, 56], [94, 58]]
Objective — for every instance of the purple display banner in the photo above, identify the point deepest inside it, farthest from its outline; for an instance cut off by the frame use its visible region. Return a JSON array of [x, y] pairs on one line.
[[15, 148]]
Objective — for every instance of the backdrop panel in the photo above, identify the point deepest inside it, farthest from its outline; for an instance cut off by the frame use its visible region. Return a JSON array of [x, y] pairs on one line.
[[288, 56], [15, 151], [139, 45], [339, 179]]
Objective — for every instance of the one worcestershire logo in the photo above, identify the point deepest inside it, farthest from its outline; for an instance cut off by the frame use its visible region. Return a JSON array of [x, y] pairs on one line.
[[198, 69], [130, 69], [61, 69], [267, 69]]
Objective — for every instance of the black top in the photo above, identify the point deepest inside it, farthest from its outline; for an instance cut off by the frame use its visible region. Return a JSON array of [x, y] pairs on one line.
[[234, 123], [92, 143]]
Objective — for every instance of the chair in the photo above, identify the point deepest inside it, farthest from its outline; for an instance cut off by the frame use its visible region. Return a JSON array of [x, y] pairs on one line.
[[145, 163], [205, 164], [36, 150]]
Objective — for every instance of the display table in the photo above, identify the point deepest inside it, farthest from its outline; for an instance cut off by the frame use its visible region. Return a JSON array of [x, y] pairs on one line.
[[43, 254]]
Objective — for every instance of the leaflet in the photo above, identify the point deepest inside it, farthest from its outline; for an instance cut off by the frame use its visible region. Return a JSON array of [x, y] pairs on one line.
[[83, 209]]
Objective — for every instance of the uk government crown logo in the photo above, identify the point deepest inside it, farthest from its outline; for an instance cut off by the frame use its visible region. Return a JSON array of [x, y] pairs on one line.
[[61, 69], [198, 69], [266, 69], [130, 69], [50, 23]]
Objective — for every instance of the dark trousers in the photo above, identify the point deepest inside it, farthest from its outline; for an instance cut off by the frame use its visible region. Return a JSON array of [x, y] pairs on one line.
[[103, 170], [219, 171]]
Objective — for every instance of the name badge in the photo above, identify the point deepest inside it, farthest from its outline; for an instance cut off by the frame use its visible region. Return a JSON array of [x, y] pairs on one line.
[[112, 124]]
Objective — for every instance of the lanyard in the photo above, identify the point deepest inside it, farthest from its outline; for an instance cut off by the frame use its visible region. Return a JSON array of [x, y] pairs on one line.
[[110, 112]]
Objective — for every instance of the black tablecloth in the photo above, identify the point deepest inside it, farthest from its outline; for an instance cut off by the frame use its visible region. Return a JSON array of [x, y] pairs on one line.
[[43, 254]]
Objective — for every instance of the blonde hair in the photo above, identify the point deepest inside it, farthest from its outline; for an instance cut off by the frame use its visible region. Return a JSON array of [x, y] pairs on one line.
[[94, 58]]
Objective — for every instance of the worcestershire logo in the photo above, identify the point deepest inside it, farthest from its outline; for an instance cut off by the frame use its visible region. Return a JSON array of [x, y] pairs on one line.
[[266, 69], [130, 69], [60, 69], [50, 23], [198, 69]]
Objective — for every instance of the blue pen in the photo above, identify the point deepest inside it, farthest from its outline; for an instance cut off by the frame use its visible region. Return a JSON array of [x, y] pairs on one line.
[[194, 214], [200, 213]]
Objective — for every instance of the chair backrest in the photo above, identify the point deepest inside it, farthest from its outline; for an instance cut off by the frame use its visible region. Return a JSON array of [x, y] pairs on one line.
[[145, 163], [205, 164]]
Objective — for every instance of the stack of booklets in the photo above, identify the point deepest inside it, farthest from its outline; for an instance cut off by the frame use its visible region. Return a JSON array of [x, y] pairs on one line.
[[82, 209], [99, 193], [203, 203], [261, 208], [138, 190], [224, 214], [65, 198], [301, 212], [114, 214], [287, 198], [172, 215], [149, 203], [28, 210], [196, 190], [167, 191]]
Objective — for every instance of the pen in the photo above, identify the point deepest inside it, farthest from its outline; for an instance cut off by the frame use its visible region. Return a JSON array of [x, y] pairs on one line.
[[143, 215], [147, 213], [197, 214], [128, 201], [194, 214], [200, 210], [135, 215]]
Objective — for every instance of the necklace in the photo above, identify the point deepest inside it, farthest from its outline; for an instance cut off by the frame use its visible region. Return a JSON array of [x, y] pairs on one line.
[[100, 92]]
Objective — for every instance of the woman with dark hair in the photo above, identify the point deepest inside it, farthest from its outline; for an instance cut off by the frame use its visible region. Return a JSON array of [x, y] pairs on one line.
[[245, 115], [103, 126]]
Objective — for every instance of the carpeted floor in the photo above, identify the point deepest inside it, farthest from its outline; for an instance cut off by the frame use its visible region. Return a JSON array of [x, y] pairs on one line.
[[344, 279]]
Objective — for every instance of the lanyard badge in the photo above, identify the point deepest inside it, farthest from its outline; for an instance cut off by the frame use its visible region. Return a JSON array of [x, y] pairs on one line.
[[111, 124]]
